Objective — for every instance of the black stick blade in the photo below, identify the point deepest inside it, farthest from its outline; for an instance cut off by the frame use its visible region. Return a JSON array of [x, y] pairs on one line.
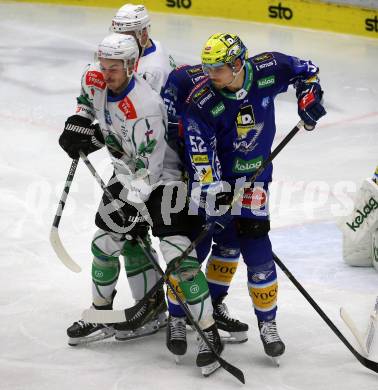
[[236, 372]]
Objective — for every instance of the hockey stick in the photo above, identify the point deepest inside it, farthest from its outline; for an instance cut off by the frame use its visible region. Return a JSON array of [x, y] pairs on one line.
[[371, 327], [370, 364], [353, 328], [207, 228], [55, 240], [236, 372], [365, 341], [227, 366]]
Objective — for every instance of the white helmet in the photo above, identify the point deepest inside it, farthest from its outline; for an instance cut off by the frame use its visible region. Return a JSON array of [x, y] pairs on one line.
[[131, 18], [119, 47]]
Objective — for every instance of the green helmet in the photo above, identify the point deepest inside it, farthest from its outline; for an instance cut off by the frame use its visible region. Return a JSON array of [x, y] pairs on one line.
[[223, 48]]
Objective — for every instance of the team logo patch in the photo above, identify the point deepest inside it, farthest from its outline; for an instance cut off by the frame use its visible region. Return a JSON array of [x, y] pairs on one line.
[[248, 143], [95, 79], [245, 121]]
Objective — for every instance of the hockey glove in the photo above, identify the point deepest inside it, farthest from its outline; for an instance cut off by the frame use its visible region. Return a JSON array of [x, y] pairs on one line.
[[310, 109], [220, 220], [80, 134]]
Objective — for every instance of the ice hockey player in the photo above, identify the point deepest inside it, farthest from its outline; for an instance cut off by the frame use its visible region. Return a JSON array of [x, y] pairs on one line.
[[360, 227], [229, 127], [154, 64], [132, 123], [223, 260]]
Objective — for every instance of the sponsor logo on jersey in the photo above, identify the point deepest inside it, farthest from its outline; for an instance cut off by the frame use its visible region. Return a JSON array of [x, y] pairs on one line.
[[245, 121], [262, 58], [254, 198], [204, 100], [205, 174], [202, 96], [200, 158], [198, 78], [127, 107], [266, 65], [85, 110], [371, 205], [195, 89], [266, 82], [218, 109], [194, 71], [95, 79], [247, 166]]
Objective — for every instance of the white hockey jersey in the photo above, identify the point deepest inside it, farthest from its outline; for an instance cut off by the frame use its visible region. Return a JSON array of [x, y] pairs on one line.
[[133, 125], [154, 66]]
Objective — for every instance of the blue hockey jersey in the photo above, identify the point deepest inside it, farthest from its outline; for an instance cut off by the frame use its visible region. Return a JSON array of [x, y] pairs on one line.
[[228, 135]]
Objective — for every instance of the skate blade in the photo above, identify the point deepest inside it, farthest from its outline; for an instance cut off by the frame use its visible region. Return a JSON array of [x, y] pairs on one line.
[[234, 337], [125, 335], [162, 320], [74, 341], [177, 359], [210, 368], [276, 361]]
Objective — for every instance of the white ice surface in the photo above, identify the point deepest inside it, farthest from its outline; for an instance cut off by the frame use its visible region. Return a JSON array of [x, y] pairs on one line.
[[43, 50]]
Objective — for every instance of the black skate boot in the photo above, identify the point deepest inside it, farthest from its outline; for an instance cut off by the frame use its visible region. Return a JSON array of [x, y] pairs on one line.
[[82, 332], [237, 330], [176, 336], [273, 345], [144, 322], [206, 360]]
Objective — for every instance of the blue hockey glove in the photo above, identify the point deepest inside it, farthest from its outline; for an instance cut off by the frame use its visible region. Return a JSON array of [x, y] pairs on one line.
[[310, 109]]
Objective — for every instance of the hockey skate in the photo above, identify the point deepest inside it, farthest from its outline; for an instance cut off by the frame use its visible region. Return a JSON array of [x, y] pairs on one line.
[[237, 331], [147, 321], [82, 332], [206, 360], [176, 336], [273, 345]]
